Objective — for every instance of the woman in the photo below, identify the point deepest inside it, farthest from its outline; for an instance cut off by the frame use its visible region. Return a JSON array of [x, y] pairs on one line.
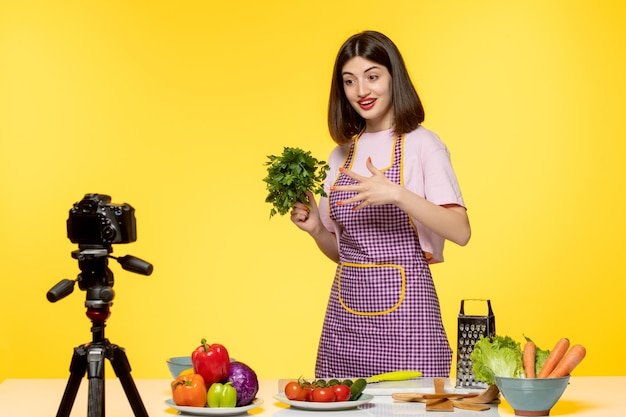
[[393, 198]]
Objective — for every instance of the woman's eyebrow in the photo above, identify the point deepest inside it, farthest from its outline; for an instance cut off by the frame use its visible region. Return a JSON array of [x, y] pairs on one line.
[[367, 70]]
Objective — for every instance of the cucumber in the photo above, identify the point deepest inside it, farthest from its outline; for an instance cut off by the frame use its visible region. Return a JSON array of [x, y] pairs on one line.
[[357, 388]]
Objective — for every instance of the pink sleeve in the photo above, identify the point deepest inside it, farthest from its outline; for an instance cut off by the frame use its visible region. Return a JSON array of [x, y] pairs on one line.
[[335, 160], [439, 182], [429, 173]]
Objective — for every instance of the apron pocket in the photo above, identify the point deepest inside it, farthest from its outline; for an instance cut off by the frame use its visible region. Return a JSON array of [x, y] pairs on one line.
[[370, 289]]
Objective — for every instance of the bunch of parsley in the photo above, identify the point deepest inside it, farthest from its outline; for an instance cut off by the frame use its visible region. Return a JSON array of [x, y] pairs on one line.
[[290, 175]]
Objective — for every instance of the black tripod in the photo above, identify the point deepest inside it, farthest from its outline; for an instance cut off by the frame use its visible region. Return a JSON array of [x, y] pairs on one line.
[[90, 358], [97, 280]]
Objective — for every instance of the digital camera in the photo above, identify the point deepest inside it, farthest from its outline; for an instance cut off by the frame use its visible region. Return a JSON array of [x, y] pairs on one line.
[[95, 221]]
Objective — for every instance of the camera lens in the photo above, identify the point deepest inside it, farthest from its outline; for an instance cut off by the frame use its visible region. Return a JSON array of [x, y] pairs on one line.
[[108, 233]]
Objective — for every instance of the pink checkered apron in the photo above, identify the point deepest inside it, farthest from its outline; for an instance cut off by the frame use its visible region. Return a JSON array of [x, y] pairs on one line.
[[383, 313]]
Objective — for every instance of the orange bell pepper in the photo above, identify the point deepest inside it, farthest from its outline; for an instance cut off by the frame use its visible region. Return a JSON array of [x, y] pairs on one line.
[[189, 390]]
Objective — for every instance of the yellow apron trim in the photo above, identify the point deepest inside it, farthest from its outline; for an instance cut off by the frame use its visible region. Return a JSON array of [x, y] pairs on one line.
[[371, 313], [402, 184]]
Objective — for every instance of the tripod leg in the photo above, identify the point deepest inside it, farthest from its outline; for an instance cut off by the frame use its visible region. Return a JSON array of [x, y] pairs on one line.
[[95, 374], [78, 367], [121, 366]]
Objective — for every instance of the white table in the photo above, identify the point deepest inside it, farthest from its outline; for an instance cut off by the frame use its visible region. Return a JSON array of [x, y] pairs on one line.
[[585, 397]]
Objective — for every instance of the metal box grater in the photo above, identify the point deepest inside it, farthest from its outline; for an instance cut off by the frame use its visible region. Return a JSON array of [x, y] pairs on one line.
[[471, 329]]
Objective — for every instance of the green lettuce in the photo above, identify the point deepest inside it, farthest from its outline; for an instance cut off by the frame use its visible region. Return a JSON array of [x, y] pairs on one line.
[[500, 355]]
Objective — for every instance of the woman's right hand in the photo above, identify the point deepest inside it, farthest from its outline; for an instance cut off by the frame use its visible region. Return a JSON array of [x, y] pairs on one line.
[[306, 218]]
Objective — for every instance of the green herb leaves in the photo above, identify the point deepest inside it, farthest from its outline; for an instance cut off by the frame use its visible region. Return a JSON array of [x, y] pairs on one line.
[[290, 175]]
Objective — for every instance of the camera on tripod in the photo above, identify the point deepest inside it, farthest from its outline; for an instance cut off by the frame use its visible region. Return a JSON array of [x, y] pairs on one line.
[[95, 224]]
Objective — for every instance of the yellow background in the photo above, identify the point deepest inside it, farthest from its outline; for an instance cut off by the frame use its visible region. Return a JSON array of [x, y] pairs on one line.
[[173, 106]]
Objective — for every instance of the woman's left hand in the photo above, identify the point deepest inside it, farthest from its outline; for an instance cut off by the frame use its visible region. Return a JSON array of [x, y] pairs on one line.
[[370, 191], [448, 221]]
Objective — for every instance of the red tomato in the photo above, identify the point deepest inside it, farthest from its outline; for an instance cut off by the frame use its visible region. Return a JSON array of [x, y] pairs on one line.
[[295, 392], [342, 392], [308, 389], [323, 395]]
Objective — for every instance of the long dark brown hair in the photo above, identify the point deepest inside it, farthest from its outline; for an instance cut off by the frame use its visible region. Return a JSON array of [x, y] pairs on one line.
[[343, 121]]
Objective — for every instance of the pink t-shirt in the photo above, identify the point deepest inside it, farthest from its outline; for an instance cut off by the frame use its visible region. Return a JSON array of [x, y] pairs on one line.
[[427, 171]]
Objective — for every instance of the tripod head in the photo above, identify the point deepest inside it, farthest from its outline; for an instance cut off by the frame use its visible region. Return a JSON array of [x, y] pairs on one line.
[[96, 278], [95, 224]]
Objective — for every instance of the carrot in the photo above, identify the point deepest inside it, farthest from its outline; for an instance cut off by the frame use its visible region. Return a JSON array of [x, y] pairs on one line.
[[571, 359], [530, 349], [554, 357]]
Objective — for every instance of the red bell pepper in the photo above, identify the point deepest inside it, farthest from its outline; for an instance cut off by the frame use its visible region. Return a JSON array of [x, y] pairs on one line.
[[211, 361], [189, 390]]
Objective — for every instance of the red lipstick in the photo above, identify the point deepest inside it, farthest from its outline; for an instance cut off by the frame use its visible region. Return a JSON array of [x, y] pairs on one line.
[[367, 103]]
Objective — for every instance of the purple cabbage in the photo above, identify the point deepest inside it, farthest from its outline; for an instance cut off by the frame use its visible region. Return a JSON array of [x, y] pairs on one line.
[[245, 381]]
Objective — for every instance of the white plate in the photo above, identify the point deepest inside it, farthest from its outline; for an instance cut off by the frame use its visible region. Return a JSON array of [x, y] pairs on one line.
[[316, 406], [217, 411]]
